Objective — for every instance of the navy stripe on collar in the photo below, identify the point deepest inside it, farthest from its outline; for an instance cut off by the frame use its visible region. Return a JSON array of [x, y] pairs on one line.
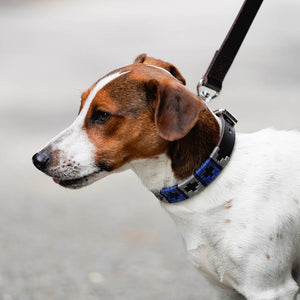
[[209, 170]]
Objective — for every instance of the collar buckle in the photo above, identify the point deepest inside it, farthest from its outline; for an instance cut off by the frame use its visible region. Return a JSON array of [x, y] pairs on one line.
[[228, 117]]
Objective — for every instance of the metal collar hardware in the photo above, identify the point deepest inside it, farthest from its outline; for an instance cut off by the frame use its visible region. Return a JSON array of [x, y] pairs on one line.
[[206, 94]]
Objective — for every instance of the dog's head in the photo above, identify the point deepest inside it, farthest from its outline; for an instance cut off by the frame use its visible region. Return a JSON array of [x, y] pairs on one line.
[[131, 113]]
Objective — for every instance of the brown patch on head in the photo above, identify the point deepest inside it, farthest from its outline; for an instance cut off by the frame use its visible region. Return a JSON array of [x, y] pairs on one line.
[[130, 133], [181, 117], [143, 59], [227, 221], [149, 108], [267, 256]]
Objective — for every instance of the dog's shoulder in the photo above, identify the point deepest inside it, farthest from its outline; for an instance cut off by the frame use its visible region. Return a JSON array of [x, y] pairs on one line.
[[267, 143], [271, 135], [264, 164]]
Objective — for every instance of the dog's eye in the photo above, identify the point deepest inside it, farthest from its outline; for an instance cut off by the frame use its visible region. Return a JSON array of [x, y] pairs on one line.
[[101, 116]]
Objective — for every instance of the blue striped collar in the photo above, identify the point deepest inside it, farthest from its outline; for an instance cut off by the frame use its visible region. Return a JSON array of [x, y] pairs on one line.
[[209, 170]]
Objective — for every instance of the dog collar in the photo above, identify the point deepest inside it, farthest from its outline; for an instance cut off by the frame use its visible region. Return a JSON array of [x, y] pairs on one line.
[[210, 169]]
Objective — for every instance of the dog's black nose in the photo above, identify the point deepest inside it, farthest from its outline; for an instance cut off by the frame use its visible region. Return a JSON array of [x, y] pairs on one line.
[[41, 159]]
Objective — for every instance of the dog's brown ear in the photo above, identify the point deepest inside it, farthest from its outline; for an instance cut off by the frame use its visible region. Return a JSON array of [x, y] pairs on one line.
[[140, 59], [143, 59], [177, 109]]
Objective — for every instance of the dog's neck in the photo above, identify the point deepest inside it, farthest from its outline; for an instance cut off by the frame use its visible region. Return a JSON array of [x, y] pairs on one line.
[[183, 157]]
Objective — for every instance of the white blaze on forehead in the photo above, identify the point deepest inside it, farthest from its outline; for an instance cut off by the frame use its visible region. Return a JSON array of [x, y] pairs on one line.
[[160, 68], [73, 143], [79, 121], [100, 84]]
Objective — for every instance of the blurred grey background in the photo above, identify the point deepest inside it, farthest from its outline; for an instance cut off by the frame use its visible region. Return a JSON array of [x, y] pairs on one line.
[[112, 240]]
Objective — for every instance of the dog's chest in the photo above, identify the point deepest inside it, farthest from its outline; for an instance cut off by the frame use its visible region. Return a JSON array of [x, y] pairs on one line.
[[211, 235]]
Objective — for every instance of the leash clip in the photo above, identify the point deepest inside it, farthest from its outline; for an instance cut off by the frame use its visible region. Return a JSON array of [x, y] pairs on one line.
[[206, 94]]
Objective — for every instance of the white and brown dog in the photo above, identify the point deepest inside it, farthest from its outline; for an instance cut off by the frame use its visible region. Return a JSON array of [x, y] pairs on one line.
[[242, 231]]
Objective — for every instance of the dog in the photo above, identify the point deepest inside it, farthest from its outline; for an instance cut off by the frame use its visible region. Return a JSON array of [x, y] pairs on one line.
[[241, 227]]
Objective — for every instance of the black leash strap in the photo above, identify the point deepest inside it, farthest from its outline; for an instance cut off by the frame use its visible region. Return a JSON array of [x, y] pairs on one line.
[[224, 57]]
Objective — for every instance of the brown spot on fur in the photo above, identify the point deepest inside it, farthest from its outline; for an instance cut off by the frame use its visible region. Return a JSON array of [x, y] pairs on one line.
[[227, 221], [240, 247], [271, 238], [296, 201], [228, 206], [267, 256], [244, 225]]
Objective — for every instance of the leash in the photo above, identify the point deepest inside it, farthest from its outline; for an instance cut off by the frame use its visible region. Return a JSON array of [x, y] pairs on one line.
[[223, 58]]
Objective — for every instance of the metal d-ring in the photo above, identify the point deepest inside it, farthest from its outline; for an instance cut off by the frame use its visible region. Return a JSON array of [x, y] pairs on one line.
[[206, 94]]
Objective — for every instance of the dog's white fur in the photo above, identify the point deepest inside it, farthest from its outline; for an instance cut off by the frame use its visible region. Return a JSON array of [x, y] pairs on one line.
[[244, 228]]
